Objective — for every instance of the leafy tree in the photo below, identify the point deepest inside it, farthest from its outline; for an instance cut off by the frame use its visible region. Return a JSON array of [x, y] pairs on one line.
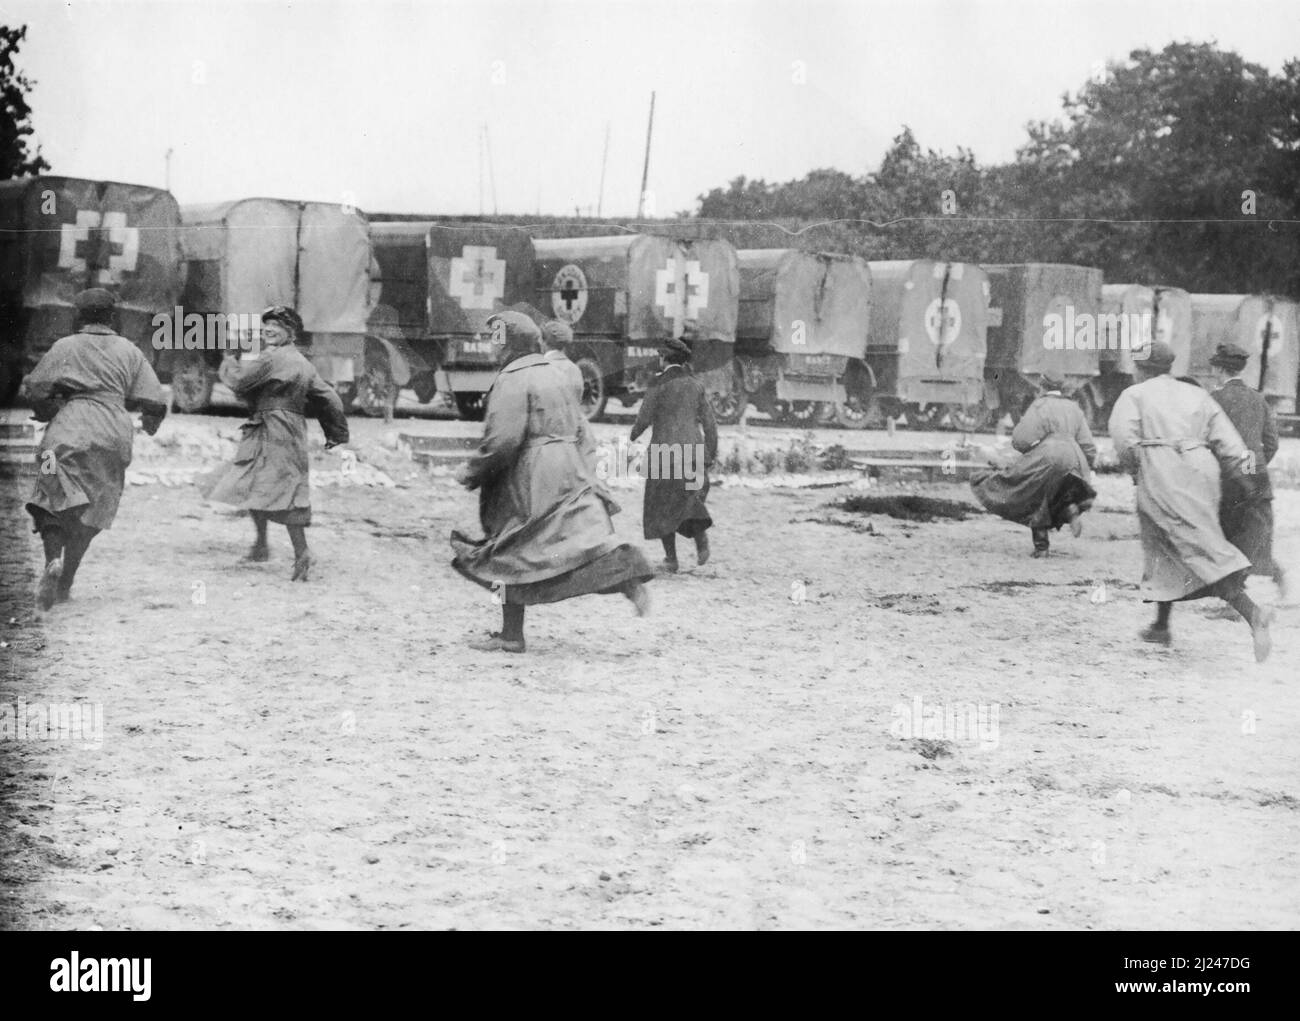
[[15, 114]]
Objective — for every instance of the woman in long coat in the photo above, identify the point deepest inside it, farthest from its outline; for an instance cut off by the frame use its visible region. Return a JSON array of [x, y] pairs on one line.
[[269, 476], [1174, 440], [683, 446], [545, 517], [1050, 483], [85, 386]]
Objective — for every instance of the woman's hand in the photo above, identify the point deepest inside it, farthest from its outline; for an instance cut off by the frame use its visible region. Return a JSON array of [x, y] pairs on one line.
[[463, 476]]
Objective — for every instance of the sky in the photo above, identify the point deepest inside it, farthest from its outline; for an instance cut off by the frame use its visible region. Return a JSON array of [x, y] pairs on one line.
[[385, 105]]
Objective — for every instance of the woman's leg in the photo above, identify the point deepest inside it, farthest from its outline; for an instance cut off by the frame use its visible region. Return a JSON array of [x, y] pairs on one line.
[[260, 550], [1158, 632], [702, 546], [512, 622], [670, 553], [301, 554], [78, 541], [53, 539]]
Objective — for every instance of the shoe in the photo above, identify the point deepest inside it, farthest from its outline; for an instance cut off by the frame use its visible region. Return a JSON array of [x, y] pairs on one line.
[[701, 549], [48, 587], [1039, 553], [63, 595], [1285, 589], [1076, 522], [1156, 635], [670, 566], [495, 643], [640, 597], [258, 554], [301, 567], [1260, 633]]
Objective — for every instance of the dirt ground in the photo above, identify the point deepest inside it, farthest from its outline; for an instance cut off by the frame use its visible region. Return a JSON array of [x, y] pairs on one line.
[[331, 755]]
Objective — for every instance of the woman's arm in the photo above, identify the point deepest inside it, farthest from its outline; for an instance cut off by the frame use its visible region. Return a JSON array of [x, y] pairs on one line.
[[704, 415], [645, 415], [325, 405], [505, 428]]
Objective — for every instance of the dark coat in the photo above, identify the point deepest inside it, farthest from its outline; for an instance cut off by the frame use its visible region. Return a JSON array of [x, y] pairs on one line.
[[270, 470], [1246, 504], [89, 382], [683, 443]]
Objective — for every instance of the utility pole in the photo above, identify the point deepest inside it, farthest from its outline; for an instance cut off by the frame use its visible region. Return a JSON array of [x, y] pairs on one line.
[[604, 161], [492, 177], [167, 173], [645, 170]]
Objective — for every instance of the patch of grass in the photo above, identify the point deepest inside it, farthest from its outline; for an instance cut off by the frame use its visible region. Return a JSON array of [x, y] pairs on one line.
[[909, 507], [836, 459]]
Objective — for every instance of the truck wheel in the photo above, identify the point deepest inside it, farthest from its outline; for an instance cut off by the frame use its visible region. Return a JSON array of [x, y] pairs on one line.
[[852, 414], [969, 418], [191, 384], [924, 417], [472, 406], [594, 397], [727, 407], [376, 392]]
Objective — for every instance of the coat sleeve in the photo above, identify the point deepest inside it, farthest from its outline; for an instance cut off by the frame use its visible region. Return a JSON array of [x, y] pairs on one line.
[[242, 378], [645, 415], [1222, 436], [1270, 433], [1083, 437], [1125, 428], [505, 428], [42, 384], [710, 426], [325, 405], [146, 395], [1031, 428]]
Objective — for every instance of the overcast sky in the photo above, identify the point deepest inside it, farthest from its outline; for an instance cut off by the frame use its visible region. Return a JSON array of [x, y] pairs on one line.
[[385, 102]]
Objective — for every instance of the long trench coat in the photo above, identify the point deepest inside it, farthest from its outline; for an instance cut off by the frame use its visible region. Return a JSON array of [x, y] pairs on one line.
[[1246, 507], [93, 377], [270, 472], [1053, 471], [683, 440], [542, 510], [1172, 438]]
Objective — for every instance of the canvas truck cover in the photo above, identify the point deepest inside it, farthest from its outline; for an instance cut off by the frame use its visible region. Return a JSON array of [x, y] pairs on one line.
[[828, 295], [1037, 312], [1245, 320], [1134, 314], [61, 235], [933, 316], [399, 279], [640, 287], [253, 253], [473, 272]]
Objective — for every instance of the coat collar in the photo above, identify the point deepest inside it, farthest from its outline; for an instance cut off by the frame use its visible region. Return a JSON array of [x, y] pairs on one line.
[[526, 362], [675, 367], [98, 328]]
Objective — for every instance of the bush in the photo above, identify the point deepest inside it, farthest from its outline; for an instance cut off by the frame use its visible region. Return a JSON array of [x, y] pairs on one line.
[[836, 459]]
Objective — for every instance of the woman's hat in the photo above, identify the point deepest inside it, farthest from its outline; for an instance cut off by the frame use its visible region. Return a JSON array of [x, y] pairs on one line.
[[94, 298], [677, 346], [1053, 379], [1160, 356], [557, 334], [520, 332], [286, 317], [1230, 357]]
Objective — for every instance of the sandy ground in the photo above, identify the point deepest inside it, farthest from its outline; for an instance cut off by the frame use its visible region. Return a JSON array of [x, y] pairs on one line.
[[331, 755]]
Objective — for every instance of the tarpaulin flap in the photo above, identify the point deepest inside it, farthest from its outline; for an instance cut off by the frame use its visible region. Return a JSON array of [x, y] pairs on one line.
[[63, 235], [640, 287], [333, 269], [314, 256], [811, 303], [1043, 317], [1134, 314], [399, 280], [474, 271], [934, 315], [1248, 320]]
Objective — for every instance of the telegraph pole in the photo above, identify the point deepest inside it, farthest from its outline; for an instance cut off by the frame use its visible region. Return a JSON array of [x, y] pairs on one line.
[[645, 170]]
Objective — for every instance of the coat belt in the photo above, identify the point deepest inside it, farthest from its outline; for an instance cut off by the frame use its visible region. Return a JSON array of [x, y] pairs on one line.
[[281, 404], [1182, 446], [541, 441]]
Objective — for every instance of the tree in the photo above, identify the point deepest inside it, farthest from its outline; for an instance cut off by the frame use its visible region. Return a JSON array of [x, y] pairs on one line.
[[15, 114]]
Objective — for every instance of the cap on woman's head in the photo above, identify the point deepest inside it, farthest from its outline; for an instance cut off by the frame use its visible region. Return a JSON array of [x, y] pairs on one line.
[[516, 331], [1230, 357], [95, 299], [676, 349], [1160, 358], [557, 334], [286, 317]]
